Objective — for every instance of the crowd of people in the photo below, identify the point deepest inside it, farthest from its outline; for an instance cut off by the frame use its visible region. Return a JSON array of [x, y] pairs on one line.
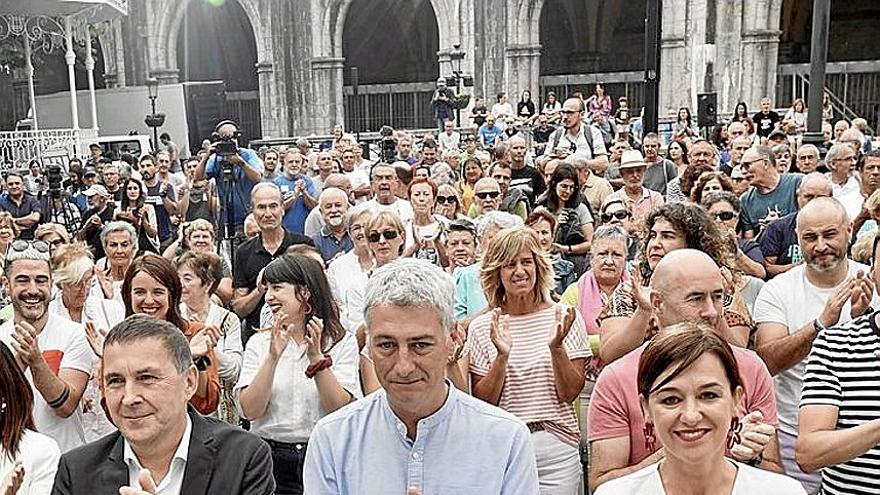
[[594, 311]]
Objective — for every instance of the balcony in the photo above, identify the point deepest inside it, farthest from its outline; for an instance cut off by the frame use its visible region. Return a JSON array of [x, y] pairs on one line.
[[17, 148]]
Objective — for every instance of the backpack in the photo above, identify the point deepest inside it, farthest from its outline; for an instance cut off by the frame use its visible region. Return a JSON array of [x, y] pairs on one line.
[[557, 136]]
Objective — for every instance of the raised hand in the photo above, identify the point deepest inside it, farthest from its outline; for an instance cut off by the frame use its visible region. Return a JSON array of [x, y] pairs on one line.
[[831, 313], [641, 294], [105, 282], [13, 480], [314, 332], [96, 339], [862, 293], [499, 332], [26, 343], [754, 437], [144, 485], [456, 343], [203, 341], [563, 326], [279, 338]]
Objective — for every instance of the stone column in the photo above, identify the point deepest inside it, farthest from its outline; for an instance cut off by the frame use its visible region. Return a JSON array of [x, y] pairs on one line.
[[523, 69], [268, 117], [327, 106], [760, 49], [675, 74], [70, 59]]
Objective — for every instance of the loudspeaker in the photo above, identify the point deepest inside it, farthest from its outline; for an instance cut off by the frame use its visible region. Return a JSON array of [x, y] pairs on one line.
[[707, 109]]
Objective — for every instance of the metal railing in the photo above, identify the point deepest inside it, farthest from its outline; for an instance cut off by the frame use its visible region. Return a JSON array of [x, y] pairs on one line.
[[17, 148], [630, 84], [402, 106]]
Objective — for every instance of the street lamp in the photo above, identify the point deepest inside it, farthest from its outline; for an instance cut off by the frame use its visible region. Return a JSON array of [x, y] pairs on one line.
[[154, 120], [455, 57]]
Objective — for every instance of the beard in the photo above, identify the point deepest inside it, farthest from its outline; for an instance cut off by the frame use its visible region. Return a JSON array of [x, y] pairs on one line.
[[830, 262], [334, 221], [30, 311]]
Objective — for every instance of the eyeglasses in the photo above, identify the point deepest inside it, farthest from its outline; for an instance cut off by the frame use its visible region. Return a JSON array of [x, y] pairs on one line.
[[724, 216], [442, 200], [619, 214], [569, 112], [487, 194], [387, 234], [745, 165]]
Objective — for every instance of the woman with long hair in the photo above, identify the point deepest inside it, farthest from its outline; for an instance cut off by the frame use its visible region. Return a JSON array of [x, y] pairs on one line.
[[525, 107], [740, 112], [28, 460], [427, 230], [691, 391], [304, 367], [200, 273], [449, 202], [471, 172], [677, 153], [134, 210], [797, 116], [152, 288], [683, 130], [599, 101], [626, 321], [574, 230], [540, 379], [552, 108]]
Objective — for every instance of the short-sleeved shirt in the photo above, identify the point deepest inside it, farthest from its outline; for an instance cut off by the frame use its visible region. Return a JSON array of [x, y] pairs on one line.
[[528, 179], [469, 296], [295, 216], [294, 403], [529, 386], [615, 410], [28, 205], [64, 346], [765, 123], [163, 219], [488, 134], [790, 299], [782, 199], [251, 257], [780, 240], [657, 175], [330, 245], [241, 192], [640, 208], [842, 371]]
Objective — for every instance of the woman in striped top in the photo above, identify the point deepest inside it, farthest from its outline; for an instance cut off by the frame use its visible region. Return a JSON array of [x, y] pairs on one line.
[[528, 355]]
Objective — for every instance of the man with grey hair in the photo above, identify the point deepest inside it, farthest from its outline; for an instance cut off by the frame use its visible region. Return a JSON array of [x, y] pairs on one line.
[[807, 160], [315, 221], [51, 349], [793, 308], [841, 160], [162, 446], [254, 254], [772, 195], [333, 239], [407, 436]]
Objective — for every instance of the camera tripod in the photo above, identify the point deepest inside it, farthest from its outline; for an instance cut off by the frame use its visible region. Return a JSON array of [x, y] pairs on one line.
[[52, 212], [227, 206]]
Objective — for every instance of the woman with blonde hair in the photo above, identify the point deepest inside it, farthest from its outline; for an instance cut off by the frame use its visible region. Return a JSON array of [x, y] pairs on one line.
[[73, 272], [449, 204], [53, 234], [199, 236], [528, 354]]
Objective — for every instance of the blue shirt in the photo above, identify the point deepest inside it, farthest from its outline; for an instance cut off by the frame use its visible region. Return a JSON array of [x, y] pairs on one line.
[[295, 216], [469, 296], [330, 246], [241, 193], [28, 205], [489, 134], [466, 447]]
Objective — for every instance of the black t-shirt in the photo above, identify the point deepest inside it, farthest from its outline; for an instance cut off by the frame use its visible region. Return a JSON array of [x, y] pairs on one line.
[[93, 238], [766, 123], [529, 181], [480, 114], [542, 135], [525, 109], [251, 257]]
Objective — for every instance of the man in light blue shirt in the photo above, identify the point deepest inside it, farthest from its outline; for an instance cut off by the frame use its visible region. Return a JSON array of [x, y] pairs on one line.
[[418, 434], [298, 192]]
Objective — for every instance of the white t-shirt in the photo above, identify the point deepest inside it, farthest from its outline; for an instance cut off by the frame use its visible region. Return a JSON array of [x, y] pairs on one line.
[[749, 481], [358, 178], [791, 300], [39, 455], [401, 207], [63, 343], [849, 195]]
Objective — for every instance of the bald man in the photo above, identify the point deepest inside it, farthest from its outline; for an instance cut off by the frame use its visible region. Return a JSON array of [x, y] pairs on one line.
[[793, 308], [779, 243], [687, 286], [487, 197]]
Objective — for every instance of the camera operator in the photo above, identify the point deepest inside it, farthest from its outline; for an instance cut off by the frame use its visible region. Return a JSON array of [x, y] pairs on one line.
[[58, 207], [576, 136], [443, 102], [243, 165]]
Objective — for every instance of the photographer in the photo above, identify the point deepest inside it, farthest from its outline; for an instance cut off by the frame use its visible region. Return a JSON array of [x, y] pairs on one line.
[[443, 102], [574, 221], [575, 136], [243, 168]]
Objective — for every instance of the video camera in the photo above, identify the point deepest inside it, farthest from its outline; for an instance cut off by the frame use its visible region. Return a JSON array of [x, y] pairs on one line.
[[388, 144], [224, 145], [55, 177]]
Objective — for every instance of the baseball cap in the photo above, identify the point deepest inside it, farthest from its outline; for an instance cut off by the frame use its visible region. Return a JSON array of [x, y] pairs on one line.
[[97, 189], [90, 171], [777, 134]]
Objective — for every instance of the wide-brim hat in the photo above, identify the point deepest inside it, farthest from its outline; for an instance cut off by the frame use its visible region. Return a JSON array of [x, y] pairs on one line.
[[632, 159]]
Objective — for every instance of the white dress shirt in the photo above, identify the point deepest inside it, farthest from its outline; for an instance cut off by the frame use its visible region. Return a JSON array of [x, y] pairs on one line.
[[173, 480]]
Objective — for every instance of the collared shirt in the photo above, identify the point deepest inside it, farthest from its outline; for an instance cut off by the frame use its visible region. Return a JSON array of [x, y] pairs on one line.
[[642, 206], [241, 194], [294, 403], [295, 216], [173, 480], [466, 447], [28, 205], [330, 245]]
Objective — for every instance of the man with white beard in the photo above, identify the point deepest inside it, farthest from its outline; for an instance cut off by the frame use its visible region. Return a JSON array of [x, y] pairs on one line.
[[333, 239]]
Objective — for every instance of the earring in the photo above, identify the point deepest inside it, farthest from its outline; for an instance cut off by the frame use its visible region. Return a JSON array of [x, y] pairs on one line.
[[650, 439], [733, 437], [307, 307]]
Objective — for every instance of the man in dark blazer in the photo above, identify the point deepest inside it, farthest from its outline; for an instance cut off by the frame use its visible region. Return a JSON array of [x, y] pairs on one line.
[[163, 447]]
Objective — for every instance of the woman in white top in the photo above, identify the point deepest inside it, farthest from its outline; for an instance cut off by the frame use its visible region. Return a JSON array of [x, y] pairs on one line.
[[689, 386], [426, 229], [302, 369], [348, 273], [200, 274], [28, 459]]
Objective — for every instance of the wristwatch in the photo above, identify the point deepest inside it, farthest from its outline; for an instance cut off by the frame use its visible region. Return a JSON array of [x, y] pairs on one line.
[[818, 325]]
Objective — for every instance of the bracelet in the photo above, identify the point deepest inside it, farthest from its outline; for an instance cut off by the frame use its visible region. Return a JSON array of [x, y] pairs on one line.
[[323, 364], [757, 460], [818, 325], [55, 404]]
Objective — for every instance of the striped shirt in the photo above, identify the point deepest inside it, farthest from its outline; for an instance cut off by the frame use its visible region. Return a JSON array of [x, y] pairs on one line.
[[842, 371], [529, 386]]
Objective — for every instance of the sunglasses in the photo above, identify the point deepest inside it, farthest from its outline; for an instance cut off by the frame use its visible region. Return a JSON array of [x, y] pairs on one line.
[[20, 246], [387, 234], [487, 194], [446, 200], [619, 214], [725, 216], [746, 165]]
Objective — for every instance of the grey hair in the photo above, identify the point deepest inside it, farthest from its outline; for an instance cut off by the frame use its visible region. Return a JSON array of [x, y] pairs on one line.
[[615, 232], [265, 185], [500, 219], [809, 147], [411, 283], [120, 226], [139, 327], [29, 254], [835, 151], [330, 191], [577, 160]]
